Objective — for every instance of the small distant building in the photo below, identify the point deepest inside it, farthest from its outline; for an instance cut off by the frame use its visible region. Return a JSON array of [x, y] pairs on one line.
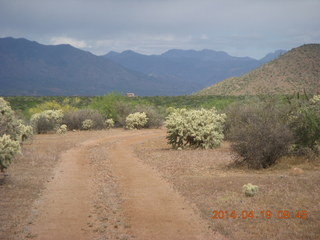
[[130, 95]]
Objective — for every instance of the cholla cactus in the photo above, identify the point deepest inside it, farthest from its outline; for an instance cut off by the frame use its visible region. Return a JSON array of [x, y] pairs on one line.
[[315, 99], [136, 120], [9, 124], [195, 128], [47, 120], [8, 149], [87, 124], [250, 190], [109, 123], [62, 129], [25, 132]]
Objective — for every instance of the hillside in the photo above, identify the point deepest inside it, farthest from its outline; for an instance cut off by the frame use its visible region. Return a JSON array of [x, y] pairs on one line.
[[30, 68], [192, 69], [296, 71]]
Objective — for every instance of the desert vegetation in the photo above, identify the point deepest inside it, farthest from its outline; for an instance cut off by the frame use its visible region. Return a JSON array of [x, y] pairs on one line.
[[264, 130], [195, 128], [12, 133], [261, 129], [242, 153]]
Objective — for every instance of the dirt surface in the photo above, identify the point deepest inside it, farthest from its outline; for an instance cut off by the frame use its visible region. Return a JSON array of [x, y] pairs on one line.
[[126, 185], [127, 200], [65, 205], [28, 176], [154, 209], [206, 179]]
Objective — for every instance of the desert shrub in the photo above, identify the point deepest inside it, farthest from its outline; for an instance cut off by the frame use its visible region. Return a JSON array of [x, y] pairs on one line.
[[136, 120], [62, 129], [87, 124], [109, 123], [304, 121], [46, 121], [75, 119], [195, 128], [122, 110], [155, 118], [8, 149], [107, 105], [259, 133], [250, 190]]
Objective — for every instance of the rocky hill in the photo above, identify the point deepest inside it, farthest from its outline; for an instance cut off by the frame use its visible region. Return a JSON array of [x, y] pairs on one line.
[[295, 71]]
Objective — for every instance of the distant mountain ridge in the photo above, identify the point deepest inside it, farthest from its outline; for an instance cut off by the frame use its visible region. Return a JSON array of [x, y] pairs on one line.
[[30, 68], [298, 70], [196, 69]]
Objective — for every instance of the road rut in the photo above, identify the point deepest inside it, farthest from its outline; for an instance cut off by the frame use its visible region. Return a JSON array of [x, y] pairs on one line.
[[153, 209]]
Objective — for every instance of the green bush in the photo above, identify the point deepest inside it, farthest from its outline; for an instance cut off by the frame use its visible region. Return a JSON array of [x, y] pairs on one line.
[[136, 120], [107, 105], [305, 122], [122, 110], [259, 133], [195, 128]]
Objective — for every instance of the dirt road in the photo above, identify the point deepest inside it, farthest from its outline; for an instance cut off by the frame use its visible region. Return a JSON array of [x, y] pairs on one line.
[[153, 208]]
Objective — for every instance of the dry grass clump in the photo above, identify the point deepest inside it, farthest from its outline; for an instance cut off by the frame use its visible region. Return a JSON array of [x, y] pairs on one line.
[[206, 179]]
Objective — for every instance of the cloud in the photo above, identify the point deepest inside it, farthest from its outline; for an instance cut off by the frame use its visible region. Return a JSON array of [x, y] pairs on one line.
[[244, 27], [65, 40]]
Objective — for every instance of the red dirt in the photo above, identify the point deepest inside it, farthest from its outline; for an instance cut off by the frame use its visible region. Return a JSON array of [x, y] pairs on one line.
[[153, 208]]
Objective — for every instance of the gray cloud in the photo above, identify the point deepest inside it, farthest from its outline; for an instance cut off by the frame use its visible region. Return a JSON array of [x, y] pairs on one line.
[[241, 27]]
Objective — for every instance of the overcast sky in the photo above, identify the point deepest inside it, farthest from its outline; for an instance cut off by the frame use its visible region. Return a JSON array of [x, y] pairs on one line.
[[240, 27]]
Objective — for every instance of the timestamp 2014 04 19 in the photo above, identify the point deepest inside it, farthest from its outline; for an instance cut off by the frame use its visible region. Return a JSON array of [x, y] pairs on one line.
[[264, 214]]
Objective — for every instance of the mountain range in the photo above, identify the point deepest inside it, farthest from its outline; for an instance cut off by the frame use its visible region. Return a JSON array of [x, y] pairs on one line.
[[189, 68], [296, 71], [30, 68]]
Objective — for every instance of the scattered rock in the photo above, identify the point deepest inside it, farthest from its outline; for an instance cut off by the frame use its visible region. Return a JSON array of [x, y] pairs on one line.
[[296, 171]]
